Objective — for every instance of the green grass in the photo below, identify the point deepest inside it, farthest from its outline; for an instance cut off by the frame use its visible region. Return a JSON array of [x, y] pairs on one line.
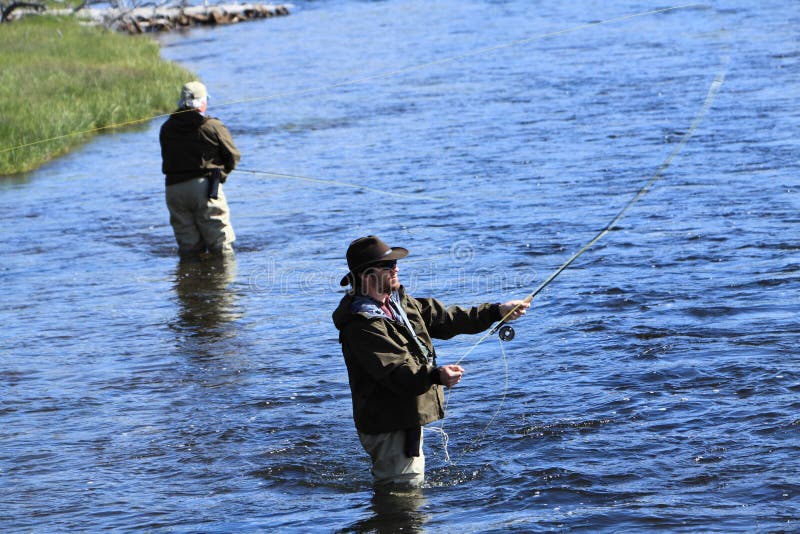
[[61, 81]]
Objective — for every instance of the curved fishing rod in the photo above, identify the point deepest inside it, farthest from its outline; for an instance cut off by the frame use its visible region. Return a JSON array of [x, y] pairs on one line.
[[505, 331]]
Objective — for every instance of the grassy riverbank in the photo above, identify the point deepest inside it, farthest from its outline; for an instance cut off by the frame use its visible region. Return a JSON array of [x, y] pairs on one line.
[[60, 80]]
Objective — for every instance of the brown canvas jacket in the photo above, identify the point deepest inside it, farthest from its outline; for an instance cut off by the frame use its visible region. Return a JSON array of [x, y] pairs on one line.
[[393, 386], [192, 144]]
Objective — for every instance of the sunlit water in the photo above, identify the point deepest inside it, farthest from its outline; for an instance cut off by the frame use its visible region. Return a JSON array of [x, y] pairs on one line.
[[654, 384]]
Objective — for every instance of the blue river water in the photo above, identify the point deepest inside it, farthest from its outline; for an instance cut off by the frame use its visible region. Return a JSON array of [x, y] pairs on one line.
[[654, 384]]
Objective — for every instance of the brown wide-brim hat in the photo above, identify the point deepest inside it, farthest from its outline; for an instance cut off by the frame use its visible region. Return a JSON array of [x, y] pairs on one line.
[[366, 250]]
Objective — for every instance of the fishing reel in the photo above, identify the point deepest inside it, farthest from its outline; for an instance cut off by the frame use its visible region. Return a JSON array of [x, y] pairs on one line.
[[506, 333]]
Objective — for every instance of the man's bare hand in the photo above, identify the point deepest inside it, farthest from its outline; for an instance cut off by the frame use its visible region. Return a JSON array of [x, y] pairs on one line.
[[450, 375]]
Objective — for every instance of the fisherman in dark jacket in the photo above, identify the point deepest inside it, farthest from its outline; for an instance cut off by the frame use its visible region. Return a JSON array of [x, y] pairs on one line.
[[386, 337], [197, 155]]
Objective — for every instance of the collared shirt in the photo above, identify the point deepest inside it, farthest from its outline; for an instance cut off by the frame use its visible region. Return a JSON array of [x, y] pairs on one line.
[[386, 307]]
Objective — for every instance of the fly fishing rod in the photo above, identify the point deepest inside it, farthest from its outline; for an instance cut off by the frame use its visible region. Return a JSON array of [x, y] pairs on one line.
[[505, 331]]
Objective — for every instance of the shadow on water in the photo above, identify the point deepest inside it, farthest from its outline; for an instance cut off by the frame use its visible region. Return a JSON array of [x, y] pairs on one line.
[[206, 303], [394, 510]]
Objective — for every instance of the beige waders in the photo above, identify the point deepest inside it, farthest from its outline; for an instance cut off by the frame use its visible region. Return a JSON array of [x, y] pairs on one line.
[[199, 223], [389, 461]]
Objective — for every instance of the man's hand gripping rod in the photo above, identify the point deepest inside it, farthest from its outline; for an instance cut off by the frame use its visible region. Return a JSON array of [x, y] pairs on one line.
[[506, 331]]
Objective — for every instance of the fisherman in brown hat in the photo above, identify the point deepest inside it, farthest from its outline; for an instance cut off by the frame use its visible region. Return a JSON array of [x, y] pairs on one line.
[[395, 382], [197, 155]]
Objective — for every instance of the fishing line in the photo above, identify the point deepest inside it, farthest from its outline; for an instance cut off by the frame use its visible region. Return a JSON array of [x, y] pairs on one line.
[[501, 327], [342, 184], [372, 77], [476, 440]]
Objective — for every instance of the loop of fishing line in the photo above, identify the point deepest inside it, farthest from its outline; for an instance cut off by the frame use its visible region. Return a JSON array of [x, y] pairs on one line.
[[445, 439], [372, 77]]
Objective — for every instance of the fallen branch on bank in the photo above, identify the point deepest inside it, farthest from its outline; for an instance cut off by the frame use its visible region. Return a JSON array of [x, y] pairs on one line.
[[6, 12]]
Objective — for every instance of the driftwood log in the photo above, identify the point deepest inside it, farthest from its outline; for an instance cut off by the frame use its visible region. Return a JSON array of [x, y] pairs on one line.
[[166, 18], [159, 19]]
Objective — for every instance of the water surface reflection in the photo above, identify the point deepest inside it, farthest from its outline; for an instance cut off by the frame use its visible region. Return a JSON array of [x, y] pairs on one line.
[[394, 510], [206, 301]]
